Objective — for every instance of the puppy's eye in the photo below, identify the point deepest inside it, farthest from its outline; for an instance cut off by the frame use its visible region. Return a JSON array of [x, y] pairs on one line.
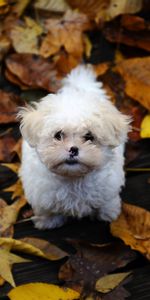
[[89, 137], [58, 135]]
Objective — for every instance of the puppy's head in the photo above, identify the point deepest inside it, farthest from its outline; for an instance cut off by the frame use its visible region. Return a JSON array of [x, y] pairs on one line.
[[74, 132]]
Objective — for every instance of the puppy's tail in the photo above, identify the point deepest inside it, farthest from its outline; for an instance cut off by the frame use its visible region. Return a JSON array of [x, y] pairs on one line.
[[82, 77]]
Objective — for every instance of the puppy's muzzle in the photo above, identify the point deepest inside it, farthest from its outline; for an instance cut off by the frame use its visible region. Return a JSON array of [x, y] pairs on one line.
[[74, 151]]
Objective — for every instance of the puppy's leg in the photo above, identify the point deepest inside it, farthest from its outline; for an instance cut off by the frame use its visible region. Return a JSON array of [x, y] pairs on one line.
[[110, 210], [48, 222]]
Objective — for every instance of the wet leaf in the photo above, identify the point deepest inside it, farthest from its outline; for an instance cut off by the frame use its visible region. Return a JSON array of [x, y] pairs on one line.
[[133, 227], [72, 24], [42, 291], [8, 215], [7, 260], [91, 263], [109, 282], [145, 127], [25, 38], [33, 71], [34, 246]]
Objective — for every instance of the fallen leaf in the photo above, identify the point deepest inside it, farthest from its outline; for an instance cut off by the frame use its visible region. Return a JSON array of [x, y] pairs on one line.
[[34, 71], [134, 22], [42, 291], [12, 166], [16, 190], [90, 263], [136, 74], [118, 7], [9, 103], [133, 227], [66, 62], [4, 7], [8, 215], [49, 250], [7, 144], [34, 246], [72, 24], [25, 37], [7, 260], [116, 33], [4, 45], [145, 127], [51, 5], [109, 282], [101, 10]]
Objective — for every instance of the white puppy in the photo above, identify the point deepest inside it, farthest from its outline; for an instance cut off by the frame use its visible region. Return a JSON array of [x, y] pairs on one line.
[[72, 163]]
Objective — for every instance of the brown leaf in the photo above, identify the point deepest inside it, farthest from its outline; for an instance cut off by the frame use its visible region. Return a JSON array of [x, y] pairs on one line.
[[115, 32], [8, 107], [136, 74], [73, 25], [7, 144], [33, 71], [49, 250], [90, 263], [134, 23], [133, 227], [66, 62], [8, 216], [4, 45], [58, 6]]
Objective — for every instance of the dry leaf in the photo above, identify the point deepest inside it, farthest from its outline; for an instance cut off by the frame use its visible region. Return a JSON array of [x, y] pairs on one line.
[[136, 74], [115, 32], [34, 71], [16, 189], [8, 215], [133, 227], [8, 107], [43, 291], [65, 63], [34, 246], [118, 7], [25, 38], [7, 260], [51, 5], [4, 45], [49, 250], [109, 282], [12, 166], [72, 24], [145, 127], [7, 144]]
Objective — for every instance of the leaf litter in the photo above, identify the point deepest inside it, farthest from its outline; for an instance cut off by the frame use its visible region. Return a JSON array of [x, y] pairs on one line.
[[37, 50]]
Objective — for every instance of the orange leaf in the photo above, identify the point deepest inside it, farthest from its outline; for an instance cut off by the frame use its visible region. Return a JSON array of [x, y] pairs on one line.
[[133, 227]]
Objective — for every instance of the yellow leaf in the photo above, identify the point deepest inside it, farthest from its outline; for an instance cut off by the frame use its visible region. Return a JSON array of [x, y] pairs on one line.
[[34, 246], [118, 7], [16, 189], [3, 2], [43, 291], [133, 227], [88, 46], [109, 282], [145, 127], [9, 214], [13, 167], [52, 5], [25, 38], [7, 259]]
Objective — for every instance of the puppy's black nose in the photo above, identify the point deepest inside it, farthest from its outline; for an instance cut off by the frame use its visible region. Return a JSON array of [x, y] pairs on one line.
[[74, 151]]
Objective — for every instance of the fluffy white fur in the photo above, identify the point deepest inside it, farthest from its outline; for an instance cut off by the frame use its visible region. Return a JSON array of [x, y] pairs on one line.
[[59, 182]]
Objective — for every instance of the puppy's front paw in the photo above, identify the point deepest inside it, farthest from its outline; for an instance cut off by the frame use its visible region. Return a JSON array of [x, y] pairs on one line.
[[48, 222]]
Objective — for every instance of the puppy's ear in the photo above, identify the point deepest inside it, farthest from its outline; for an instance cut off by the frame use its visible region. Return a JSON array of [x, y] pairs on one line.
[[117, 128], [31, 122]]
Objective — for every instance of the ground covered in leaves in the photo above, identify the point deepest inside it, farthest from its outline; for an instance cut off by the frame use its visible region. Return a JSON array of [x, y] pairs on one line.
[[40, 42]]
